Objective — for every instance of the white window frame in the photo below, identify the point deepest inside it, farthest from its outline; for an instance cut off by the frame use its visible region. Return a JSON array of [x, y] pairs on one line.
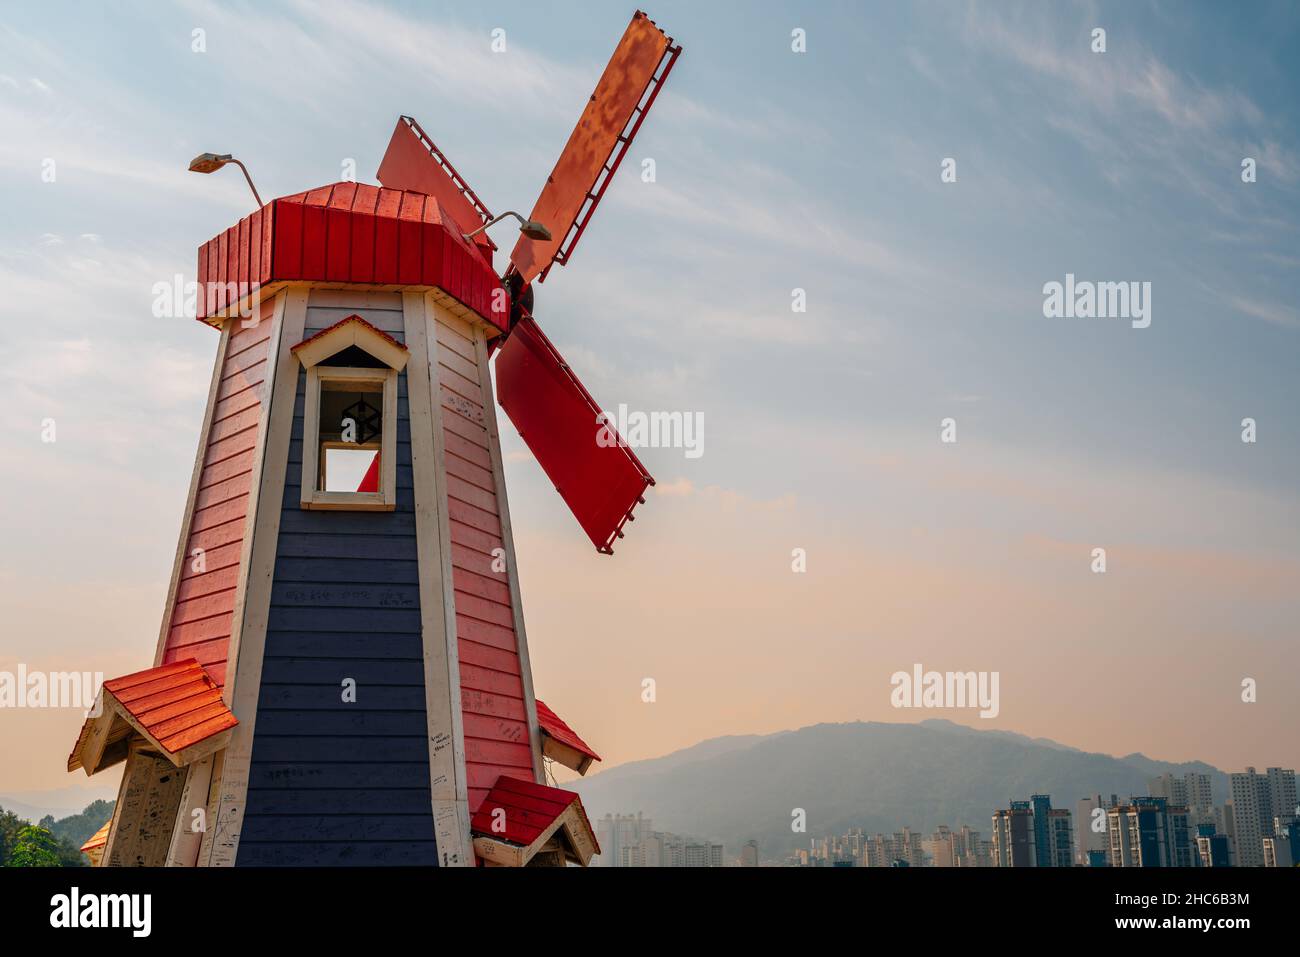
[[384, 500]]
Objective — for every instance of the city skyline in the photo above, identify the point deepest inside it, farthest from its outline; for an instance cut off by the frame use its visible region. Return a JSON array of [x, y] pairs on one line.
[[1175, 825]]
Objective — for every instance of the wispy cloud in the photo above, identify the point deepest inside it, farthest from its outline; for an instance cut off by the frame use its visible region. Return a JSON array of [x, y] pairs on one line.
[[1104, 100], [1275, 313]]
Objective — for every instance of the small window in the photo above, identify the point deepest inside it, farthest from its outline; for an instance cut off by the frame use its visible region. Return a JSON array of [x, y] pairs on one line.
[[348, 438], [349, 427]]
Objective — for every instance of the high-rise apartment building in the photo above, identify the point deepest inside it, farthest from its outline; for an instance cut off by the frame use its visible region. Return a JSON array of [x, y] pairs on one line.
[[1260, 803], [1148, 832], [884, 850], [1033, 834], [1281, 796], [940, 847], [1013, 836], [1090, 836], [616, 832], [1191, 791], [1277, 852], [970, 849], [705, 854], [1212, 850]]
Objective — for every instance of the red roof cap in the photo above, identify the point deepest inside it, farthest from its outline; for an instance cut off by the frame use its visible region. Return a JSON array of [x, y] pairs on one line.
[[348, 233], [552, 724]]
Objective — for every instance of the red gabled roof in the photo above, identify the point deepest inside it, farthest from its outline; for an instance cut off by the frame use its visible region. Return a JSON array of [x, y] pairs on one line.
[[552, 724], [348, 233], [178, 705], [99, 838], [343, 322], [529, 808], [175, 706]]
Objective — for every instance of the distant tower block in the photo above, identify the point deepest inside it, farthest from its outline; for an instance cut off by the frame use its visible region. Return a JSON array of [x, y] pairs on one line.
[[342, 672]]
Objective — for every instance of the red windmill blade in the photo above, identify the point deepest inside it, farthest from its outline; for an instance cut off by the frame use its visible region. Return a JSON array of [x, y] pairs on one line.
[[597, 475], [597, 145], [414, 162]]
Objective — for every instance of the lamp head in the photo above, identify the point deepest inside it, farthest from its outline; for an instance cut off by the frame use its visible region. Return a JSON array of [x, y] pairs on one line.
[[535, 230], [209, 162]]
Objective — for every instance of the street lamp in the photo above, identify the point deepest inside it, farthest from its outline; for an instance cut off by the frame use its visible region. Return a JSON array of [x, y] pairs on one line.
[[530, 228], [211, 162]]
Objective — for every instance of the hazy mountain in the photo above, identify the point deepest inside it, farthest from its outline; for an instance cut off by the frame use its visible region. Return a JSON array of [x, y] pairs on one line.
[[60, 802], [864, 774]]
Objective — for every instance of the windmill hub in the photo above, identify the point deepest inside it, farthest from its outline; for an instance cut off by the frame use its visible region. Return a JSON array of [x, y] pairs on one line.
[[521, 296]]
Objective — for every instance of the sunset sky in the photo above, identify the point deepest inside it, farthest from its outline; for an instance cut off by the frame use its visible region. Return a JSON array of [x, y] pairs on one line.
[[775, 171]]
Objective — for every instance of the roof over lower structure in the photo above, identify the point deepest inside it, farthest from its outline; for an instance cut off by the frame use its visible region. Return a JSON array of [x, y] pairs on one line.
[[348, 233], [95, 844], [561, 743], [519, 819], [177, 708]]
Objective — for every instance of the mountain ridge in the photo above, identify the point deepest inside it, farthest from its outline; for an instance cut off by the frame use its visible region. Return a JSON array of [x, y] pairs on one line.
[[877, 775]]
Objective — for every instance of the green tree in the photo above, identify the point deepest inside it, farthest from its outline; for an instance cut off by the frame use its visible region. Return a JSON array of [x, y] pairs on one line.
[[10, 825], [77, 828], [35, 847]]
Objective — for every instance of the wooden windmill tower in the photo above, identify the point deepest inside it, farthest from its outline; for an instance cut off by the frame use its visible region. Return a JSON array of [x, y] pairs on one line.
[[342, 673]]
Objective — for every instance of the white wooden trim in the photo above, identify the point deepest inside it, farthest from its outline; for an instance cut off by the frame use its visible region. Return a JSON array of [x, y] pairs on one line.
[[444, 299], [565, 754], [451, 304], [117, 809], [178, 565], [441, 661], [236, 309], [184, 850], [312, 497], [508, 539], [432, 315], [244, 670], [210, 804]]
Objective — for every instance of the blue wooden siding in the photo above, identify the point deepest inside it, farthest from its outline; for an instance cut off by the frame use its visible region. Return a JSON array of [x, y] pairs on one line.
[[336, 783]]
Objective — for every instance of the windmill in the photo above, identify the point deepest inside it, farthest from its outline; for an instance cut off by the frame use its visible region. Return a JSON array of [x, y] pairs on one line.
[[342, 671]]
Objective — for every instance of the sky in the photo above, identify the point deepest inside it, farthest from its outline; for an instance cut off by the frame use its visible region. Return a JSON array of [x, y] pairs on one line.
[[775, 171]]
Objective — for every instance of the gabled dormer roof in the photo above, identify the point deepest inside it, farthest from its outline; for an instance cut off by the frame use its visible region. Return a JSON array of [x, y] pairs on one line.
[[518, 819], [177, 708], [347, 332], [561, 743]]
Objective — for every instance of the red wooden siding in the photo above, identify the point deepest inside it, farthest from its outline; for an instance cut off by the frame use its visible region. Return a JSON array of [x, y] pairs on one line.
[[202, 612], [348, 232], [492, 691]]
